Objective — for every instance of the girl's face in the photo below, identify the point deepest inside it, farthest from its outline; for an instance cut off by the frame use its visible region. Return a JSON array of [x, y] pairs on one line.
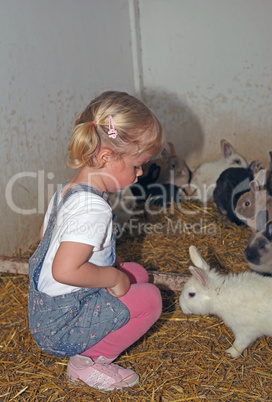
[[123, 172]]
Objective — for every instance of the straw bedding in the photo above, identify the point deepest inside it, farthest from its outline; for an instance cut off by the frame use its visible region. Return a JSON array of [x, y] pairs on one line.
[[181, 358]]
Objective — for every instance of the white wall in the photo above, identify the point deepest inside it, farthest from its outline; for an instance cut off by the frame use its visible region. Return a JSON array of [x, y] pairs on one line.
[[56, 55], [207, 73]]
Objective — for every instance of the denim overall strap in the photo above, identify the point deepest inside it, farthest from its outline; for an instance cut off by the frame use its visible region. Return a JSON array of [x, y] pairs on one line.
[[40, 252], [68, 324]]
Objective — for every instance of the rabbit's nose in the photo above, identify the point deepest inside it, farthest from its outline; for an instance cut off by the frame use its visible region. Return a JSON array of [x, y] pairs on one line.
[[252, 255]]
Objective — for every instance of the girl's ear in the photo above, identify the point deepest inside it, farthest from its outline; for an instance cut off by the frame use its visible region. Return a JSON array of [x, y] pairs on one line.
[[104, 156]]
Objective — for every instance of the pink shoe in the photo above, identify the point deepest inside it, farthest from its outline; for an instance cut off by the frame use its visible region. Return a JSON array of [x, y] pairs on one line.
[[101, 373]]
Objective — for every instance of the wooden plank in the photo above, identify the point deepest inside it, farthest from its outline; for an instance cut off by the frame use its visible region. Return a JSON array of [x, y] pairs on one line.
[[163, 280], [13, 265], [168, 280]]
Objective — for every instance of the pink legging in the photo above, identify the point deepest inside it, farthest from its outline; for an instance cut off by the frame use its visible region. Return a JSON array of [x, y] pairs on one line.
[[145, 305]]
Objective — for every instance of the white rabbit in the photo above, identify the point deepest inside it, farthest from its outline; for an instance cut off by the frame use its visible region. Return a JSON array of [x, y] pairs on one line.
[[242, 300], [205, 176], [123, 205]]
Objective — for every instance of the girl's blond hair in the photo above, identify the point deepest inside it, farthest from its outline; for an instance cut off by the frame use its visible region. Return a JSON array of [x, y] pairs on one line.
[[139, 130]]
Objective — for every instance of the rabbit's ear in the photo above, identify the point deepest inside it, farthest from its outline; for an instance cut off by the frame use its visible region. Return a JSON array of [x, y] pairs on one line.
[[172, 149], [252, 165], [254, 186], [261, 219], [197, 258], [226, 148], [165, 154], [200, 275], [260, 177]]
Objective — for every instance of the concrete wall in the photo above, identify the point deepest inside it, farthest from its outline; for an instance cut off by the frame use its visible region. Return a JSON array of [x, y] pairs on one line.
[[204, 66], [55, 57]]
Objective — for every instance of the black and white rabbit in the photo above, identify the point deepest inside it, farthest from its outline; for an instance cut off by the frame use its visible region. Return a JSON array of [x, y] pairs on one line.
[[242, 300], [258, 252], [231, 184], [205, 176], [149, 191]]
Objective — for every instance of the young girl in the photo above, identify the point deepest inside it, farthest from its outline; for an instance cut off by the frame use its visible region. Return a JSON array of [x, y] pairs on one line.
[[83, 302]]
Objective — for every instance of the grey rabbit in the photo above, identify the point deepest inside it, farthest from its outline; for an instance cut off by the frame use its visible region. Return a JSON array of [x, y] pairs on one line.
[[258, 252]]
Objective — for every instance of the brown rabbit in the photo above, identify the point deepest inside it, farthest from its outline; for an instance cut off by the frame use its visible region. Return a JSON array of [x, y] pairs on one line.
[[173, 169], [255, 201]]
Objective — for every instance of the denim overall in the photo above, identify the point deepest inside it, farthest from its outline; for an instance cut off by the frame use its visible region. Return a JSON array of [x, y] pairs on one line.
[[68, 324]]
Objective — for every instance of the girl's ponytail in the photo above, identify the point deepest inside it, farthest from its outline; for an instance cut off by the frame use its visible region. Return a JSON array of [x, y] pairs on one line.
[[84, 144]]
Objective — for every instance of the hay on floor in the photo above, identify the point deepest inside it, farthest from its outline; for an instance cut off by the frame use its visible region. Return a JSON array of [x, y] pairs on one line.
[[181, 358]]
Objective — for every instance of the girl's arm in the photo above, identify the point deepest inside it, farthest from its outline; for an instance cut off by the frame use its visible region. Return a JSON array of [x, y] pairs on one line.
[[71, 267]]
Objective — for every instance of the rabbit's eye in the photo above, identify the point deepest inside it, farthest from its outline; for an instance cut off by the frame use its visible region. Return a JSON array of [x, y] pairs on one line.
[[237, 161], [173, 166], [192, 294], [247, 203]]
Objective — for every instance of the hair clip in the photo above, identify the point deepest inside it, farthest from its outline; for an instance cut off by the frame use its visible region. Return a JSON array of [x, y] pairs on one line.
[[112, 132]]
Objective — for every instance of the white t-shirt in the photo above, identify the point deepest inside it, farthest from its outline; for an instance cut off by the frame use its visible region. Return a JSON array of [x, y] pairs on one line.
[[84, 218]]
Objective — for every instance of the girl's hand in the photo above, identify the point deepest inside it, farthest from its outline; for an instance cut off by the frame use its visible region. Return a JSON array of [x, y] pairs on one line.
[[122, 287]]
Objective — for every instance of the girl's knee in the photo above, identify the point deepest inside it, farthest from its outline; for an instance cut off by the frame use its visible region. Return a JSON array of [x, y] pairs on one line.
[[151, 298], [143, 299]]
